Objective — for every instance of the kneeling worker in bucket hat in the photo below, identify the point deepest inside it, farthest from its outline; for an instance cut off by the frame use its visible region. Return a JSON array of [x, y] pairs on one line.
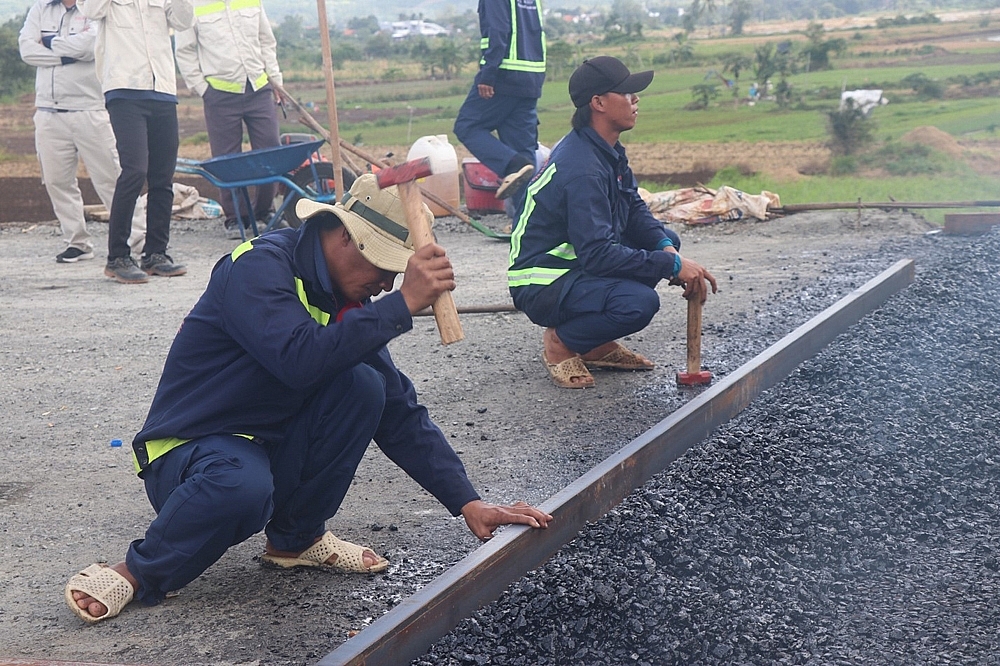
[[275, 384]]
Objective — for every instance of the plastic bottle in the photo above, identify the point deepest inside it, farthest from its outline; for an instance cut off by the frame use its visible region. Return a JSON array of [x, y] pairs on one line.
[[444, 163]]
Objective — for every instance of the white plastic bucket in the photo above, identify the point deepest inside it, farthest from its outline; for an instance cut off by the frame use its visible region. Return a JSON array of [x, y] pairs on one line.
[[444, 163]]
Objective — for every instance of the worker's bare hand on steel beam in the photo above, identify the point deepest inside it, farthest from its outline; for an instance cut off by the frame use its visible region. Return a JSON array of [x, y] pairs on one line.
[[483, 518], [428, 275], [693, 277]]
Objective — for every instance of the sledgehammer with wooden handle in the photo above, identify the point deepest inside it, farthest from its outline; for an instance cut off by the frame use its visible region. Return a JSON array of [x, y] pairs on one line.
[[404, 177]]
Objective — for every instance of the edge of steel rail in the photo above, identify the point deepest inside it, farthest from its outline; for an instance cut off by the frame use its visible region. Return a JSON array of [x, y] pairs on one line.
[[409, 629]]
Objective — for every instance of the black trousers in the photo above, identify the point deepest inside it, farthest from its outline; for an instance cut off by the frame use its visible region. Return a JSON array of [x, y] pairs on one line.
[[147, 140]]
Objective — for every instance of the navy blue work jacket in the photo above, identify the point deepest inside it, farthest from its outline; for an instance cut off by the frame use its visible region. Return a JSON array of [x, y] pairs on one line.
[[583, 212], [517, 71]]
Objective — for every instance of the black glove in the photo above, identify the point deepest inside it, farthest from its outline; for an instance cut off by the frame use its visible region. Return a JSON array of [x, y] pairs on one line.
[[47, 41], [66, 60]]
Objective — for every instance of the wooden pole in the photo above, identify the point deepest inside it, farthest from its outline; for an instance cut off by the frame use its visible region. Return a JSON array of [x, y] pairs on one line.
[[331, 98]]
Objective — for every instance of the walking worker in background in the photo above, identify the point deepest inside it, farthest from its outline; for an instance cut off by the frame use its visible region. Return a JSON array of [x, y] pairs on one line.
[[135, 65], [586, 253], [505, 92], [229, 57], [288, 326], [70, 119]]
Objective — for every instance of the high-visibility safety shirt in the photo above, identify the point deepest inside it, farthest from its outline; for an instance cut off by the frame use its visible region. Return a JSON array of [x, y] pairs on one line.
[[513, 47], [263, 337], [65, 78], [133, 49], [583, 211], [231, 43]]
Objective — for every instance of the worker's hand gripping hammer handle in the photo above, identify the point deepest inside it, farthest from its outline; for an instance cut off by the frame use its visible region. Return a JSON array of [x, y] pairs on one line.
[[403, 176]]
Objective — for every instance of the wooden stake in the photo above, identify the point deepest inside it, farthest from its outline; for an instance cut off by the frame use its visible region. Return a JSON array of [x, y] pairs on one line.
[[331, 99]]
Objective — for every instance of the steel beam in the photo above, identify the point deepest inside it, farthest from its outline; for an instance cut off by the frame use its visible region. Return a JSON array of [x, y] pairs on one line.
[[409, 629]]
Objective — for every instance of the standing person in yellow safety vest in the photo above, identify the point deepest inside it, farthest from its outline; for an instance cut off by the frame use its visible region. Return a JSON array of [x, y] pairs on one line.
[[505, 92], [229, 57]]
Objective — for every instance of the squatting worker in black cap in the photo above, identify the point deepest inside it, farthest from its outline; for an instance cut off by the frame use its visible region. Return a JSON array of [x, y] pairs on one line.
[[585, 252], [272, 390]]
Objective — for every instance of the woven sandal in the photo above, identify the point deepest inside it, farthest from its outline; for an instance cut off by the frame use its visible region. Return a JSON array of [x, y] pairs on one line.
[[350, 557], [621, 358], [564, 372], [105, 585]]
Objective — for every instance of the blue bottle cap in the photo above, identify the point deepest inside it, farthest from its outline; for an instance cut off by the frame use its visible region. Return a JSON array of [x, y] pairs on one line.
[[116, 442]]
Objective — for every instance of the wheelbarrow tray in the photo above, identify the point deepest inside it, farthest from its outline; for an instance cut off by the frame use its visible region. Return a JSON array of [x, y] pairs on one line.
[[260, 164]]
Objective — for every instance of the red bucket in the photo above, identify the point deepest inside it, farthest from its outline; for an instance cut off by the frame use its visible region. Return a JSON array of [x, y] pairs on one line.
[[480, 186]]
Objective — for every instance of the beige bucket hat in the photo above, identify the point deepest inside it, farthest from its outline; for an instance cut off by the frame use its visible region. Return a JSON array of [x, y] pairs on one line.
[[374, 218]]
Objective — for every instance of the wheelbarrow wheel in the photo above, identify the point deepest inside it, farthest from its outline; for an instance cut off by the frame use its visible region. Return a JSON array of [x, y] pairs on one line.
[[303, 177]]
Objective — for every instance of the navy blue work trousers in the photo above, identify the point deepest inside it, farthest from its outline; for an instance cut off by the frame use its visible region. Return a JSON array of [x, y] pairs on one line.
[[217, 491], [147, 141], [588, 311], [515, 121]]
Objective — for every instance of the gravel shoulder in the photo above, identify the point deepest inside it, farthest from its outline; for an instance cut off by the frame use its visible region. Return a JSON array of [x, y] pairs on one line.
[[82, 355]]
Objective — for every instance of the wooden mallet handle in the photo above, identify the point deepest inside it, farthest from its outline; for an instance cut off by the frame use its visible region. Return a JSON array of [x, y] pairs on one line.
[[445, 312], [694, 376]]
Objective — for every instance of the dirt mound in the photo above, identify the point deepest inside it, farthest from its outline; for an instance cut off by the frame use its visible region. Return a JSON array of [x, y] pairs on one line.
[[934, 138]]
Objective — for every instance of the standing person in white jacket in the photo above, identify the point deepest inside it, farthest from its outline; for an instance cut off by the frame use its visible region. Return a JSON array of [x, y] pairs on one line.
[[71, 122], [135, 65], [229, 57]]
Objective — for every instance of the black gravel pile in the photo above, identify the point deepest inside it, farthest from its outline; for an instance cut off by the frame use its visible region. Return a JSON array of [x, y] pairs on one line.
[[849, 516]]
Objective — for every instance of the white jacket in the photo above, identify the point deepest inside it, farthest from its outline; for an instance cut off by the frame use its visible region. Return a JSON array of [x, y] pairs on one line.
[[230, 43], [133, 47], [72, 86]]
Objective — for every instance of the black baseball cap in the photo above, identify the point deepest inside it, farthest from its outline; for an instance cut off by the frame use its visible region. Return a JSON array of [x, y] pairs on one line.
[[604, 74]]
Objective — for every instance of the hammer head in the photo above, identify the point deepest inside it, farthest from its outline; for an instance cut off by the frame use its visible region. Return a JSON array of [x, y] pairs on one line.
[[404, 173], [701, 378]]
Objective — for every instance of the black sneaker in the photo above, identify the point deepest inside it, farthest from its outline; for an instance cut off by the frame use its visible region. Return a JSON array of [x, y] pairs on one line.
[[71, 255], [512, 182], [124, 270], [161, 264]]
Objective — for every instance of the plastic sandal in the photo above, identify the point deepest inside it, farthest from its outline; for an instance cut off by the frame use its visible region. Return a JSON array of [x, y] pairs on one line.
[[103, 584], [350, 557], [621, 358], [564, 372]]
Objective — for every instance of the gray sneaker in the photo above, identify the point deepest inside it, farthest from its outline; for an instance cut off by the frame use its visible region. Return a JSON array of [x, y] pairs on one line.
[[161, 264], [124, 270]]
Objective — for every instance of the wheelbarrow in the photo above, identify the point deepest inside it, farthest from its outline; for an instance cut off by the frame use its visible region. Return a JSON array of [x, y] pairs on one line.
[[284, 164]]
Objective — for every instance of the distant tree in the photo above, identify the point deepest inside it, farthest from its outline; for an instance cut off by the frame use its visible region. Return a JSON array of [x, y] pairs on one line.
[[703, 94], [364, 26], [684, 51], [15, 76], [817, 50], [735, 64], [740, 12], [560, 58], [289, 32], [850, 129], [625, 21], [378, 45], [765, 64]]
